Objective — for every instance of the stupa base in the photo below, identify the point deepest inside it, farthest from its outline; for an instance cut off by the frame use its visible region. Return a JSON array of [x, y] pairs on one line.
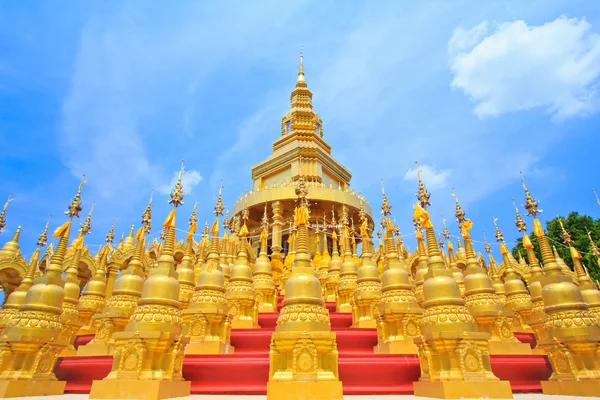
[[396, 348], [464, 389], [244, 324], [364, 324], [571, 388], [96, 349], [209, 347], [302, 390], [509, 348], [139, 389], [27, 388]]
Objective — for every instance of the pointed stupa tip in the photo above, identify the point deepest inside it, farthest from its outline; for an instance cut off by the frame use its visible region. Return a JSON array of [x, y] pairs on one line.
[[43, 238], [422, 194], [301, 69], [110, 236], [75, 206], [458, 212], [86, 227], [147, 214], [177, 193], [531, 205], [3, 213], [218, 209]]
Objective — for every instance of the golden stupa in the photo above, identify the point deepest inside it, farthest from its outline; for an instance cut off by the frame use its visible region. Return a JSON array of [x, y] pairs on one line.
[[289, 300]]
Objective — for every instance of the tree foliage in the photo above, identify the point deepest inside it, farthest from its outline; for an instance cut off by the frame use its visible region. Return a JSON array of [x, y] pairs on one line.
[[578, 226]]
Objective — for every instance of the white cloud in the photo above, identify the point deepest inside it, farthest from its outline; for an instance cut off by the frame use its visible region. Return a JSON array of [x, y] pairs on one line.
[[431, 178], [554, 66], [189, 180]]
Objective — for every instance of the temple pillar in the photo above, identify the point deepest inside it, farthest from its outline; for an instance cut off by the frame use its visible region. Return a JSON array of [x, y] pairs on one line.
[[276, 227]]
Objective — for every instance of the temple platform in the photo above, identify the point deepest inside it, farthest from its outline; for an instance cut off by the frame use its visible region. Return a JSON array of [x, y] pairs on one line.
[[361, 371]]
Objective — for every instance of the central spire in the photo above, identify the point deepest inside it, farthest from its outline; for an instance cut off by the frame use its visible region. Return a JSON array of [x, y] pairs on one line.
[[301, 70]]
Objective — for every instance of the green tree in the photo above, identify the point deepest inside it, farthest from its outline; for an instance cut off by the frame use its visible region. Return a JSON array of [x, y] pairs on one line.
[[578, 226]]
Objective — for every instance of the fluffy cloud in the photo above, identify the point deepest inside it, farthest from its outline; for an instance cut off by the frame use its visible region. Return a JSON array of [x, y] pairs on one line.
[[189, 180], [515, 67], [433, 179]]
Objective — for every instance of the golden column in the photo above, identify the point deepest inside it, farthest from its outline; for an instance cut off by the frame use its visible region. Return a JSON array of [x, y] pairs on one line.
[[483, 302], [206, 321], [240, 291], [31, 341], [368, 290], [185, 269], [276, 264], [148, 355], [264, 284], [15, 299], [303, 355], [399, 313], [335, 264], [453, 355], [573, 333], [121, 305], [323, 267], [518, 299], [348, 272]]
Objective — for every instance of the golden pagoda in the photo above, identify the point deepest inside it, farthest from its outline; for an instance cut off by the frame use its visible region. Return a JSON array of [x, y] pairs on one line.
[[301, 148]]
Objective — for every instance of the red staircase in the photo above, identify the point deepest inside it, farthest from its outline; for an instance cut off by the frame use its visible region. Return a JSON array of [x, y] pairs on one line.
[[362, 372]]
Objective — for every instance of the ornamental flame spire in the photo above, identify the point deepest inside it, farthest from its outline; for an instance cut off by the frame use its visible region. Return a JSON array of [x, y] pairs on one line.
[[43, 238], [519, 222], [3, 213]]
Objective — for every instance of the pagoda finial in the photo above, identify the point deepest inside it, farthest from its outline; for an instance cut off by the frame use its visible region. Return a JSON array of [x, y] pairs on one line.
[[147, 215], [219, 205], [564, 235], [519, 222], [531, 205], [301, 69], [177, 193], [110, 236], [445, 232], [593, 247], [75, 206], [487, 248], [386, 208], [86, 227], [498, 234], [193, 218], [459, 213], [3, 213], [422, 194], [43, 238]]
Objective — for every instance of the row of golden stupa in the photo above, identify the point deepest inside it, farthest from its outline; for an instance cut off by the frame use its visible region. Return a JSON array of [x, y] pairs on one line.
[[150, 305]]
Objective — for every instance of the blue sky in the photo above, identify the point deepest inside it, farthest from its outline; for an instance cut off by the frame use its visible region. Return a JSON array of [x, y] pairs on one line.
[[123, 90]]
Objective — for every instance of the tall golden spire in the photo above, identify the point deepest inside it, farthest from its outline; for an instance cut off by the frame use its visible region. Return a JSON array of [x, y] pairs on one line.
[[3, 213], [147, 215], [519, 222], [422, 194], [110, 236], [301, 69]]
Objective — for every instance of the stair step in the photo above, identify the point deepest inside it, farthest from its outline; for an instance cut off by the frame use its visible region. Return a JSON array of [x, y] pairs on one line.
[[338, 320], [248, 374]]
